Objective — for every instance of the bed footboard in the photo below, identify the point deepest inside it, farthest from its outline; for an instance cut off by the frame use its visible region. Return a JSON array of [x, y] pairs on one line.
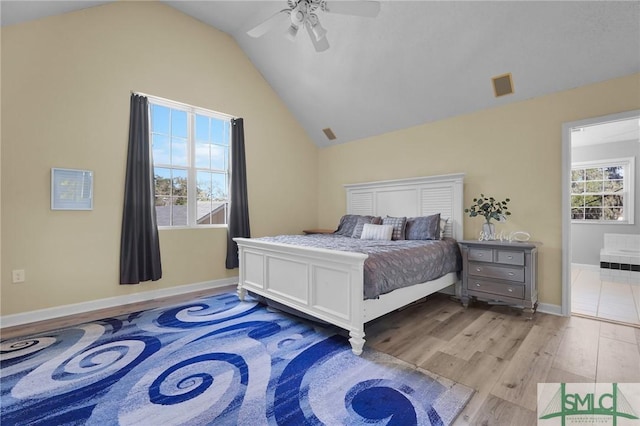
[[329, 284], [325, 284]]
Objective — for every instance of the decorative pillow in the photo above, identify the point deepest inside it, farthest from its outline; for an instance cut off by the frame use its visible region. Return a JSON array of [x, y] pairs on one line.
[[376, 232], [423, 227], [348, 223], [398, 223], [443, 225], [357, 230]]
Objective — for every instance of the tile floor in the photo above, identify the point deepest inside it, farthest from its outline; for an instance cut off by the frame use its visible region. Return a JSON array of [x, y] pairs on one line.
[[604, 299]]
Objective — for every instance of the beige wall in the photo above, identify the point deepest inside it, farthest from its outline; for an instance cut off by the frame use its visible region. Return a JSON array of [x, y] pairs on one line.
[[511, 151], [66, 83]]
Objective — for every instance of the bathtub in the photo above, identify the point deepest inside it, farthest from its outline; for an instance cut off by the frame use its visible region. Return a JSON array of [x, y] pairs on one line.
[[620, 258]]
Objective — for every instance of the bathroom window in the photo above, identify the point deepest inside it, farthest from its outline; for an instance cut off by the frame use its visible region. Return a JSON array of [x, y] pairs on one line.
[[602, 191]]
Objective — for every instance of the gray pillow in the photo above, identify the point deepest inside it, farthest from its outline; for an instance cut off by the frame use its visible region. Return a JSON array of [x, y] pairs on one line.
[[357, 230], [423, 227], [398, 223], [348, 223]]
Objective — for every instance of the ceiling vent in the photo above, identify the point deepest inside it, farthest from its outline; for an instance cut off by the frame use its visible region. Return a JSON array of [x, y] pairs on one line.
[[329, 134], [502, 85]]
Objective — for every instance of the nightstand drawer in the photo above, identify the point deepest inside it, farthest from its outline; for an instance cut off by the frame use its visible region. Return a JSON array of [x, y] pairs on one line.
[[481, 255], [510, 290], [490, 271], [510, 257], [500, 271]]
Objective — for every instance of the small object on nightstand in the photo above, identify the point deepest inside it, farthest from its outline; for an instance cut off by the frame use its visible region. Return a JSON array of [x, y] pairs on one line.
[[499, 271], [318, 231], [520, 236]]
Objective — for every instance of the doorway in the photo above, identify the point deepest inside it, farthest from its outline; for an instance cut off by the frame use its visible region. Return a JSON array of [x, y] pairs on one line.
[[592, 292]]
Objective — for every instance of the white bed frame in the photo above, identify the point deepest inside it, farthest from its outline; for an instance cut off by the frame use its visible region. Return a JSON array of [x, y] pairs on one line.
[[328, 284]]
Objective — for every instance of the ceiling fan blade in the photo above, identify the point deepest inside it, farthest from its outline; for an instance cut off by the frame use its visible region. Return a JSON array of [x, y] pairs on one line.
[[278, 19], [369, 9], [321, 44]]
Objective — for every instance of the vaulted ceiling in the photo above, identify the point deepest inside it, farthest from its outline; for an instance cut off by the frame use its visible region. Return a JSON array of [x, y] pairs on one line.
[[417, 61]]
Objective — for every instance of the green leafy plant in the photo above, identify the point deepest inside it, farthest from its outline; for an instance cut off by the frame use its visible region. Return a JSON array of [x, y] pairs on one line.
[[490, 208]]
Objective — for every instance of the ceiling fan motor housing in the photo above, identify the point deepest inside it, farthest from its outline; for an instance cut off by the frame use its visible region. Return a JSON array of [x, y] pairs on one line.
[[301, 13], [297, 17]]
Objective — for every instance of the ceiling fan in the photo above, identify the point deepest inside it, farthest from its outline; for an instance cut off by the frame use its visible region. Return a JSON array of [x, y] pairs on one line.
[[302, 13]]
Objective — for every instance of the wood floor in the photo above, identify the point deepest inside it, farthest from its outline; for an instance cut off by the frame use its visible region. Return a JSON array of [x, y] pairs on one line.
[[492, 349]]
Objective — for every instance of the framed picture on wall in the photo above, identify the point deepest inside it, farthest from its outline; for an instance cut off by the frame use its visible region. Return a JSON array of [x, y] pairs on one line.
[[71, 189]]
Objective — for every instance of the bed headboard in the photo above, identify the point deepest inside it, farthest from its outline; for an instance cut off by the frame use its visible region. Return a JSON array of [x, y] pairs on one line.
[[412, 197]]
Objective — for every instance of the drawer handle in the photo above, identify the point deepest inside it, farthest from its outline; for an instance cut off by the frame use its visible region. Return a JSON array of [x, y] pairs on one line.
[[509, 257], [480, 254], [477, 284], [510, 290], [478, 269], [511, 274]]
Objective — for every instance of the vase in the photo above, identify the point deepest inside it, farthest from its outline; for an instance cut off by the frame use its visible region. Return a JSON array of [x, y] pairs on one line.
[[488, 231]]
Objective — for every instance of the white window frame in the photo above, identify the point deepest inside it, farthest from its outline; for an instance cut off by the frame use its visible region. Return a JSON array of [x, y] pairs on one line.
[[628, 193], [191, 168]]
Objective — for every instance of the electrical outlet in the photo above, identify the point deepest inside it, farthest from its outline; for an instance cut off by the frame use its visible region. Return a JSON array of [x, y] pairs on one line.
[[18, 275]]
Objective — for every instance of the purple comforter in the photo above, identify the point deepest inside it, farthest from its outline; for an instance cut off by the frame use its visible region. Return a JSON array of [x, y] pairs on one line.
[[391, 264]]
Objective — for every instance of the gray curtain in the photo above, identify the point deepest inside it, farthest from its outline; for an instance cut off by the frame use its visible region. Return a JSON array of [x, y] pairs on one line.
[[139, 243], [239, 207]]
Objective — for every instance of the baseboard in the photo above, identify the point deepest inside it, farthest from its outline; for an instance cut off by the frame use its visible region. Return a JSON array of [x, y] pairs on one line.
[[110, 302], [586, 266], [548, 308]]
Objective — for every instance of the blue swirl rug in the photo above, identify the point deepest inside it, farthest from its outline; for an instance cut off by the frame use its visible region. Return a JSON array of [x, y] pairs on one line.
[[213, 361]]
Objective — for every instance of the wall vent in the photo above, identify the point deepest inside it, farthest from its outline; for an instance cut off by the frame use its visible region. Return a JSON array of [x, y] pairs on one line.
[[329, 134], [502, 85]]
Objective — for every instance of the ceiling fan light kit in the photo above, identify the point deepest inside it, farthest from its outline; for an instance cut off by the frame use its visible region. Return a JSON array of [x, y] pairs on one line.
[[292, 31], [301, 13]]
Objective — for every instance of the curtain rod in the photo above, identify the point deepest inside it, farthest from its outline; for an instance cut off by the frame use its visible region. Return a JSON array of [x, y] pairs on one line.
[[133, 92]]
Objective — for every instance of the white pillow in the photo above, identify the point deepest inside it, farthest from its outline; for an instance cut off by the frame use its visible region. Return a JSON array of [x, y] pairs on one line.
[[443, 225], [376, 232]]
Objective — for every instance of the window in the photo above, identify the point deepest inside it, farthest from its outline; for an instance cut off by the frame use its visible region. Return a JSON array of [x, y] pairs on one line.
[[191, 164], [602, 191]]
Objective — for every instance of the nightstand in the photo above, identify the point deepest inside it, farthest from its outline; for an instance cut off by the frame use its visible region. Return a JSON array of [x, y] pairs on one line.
[[500, 272], [318, 231]]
